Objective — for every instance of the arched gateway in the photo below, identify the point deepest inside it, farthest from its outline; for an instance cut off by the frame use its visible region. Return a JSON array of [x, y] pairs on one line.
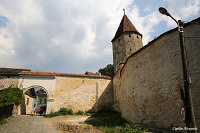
[[35, 100], [38, 92], [85, 92]]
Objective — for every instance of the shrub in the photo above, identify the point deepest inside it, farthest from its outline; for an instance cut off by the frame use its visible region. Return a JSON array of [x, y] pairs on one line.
[[3, 121], [131, 129], [80, 112], [11, 95], [65, 111], [61, 111], [54, 114]]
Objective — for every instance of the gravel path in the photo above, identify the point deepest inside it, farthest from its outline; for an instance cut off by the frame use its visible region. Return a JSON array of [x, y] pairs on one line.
[[28, 124]]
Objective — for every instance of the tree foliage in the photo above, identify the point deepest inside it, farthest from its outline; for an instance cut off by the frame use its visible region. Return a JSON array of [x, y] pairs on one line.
[[11, 95], [107, 71]]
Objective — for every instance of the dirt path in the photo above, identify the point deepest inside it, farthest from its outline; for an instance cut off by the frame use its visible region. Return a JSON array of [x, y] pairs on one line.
[[28, 124], [73, 124], [39, 124]]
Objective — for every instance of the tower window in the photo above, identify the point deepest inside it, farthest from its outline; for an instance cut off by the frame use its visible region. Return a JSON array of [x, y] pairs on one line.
[[129, 35], [137, 37]]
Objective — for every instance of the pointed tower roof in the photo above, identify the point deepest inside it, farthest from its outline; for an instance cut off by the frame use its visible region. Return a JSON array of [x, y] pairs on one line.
[[125, 26]]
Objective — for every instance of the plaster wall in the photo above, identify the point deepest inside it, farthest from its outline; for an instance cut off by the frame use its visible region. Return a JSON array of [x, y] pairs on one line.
[[46, 83], [28, 102], [147, 88], [85, 94]]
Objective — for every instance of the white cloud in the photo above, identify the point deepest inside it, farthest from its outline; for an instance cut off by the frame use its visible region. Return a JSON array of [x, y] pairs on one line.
[[147, 8], [71, 36], [182, 9]]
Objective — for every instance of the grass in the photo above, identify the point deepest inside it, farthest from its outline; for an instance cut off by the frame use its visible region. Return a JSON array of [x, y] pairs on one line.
[[82, 113], [3, 121], [61, 111], [112, 122], [107, 121], [66, 111]]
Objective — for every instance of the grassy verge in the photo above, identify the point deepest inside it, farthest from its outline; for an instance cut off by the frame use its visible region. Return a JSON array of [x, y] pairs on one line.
[[65, 111], [3, 121], [112, 122]]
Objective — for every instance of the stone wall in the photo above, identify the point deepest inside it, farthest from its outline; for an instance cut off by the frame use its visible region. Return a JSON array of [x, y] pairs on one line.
[[125, 45], [5, 82], [80, 93], [147, 88]]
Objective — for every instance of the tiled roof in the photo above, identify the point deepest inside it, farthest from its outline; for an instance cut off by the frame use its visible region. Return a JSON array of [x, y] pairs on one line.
[[125, 26], [61, 74], [11, 71], [91, 73]]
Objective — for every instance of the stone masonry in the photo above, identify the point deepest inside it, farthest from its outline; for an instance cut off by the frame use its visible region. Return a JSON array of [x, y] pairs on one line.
[[147, 87]]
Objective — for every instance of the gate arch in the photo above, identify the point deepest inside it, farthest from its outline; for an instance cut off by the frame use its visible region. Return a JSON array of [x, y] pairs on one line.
[[37, 86], [28, 108]]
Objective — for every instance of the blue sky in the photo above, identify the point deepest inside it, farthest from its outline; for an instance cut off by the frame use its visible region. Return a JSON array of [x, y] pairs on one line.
[[75, 36], [3, 21]]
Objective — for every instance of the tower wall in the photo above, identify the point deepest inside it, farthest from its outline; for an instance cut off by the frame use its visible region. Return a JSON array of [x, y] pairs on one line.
[[125, 45], [119, 52], [133, 42]]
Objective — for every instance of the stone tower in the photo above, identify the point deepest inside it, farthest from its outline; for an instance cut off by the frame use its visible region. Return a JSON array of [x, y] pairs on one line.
[[126, 41]]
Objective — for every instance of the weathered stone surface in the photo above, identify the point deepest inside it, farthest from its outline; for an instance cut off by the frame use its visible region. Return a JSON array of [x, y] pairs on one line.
[[76, 93], [81, 93], [5, 82], [125, 45], [147, 88]]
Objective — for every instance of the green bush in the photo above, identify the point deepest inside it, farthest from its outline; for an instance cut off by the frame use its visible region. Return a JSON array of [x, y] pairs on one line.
[[3, 121], [65, 111], [11, 95], [54, 114], [61, 111], [131, 129], [80, 112]]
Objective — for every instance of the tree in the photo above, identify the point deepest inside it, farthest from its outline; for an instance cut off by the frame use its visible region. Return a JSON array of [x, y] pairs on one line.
[[107, 71], [11, 95]]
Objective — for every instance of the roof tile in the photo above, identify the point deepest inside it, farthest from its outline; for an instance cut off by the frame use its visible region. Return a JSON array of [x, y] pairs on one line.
[[61, 74], [125, 26]]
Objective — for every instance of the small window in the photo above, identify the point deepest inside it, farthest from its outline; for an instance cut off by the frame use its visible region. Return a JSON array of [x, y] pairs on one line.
[[119, 40], [45, 101], [137, 36], [40, 101], [129, 35], [34, 105], [130, 49], [27, 102]]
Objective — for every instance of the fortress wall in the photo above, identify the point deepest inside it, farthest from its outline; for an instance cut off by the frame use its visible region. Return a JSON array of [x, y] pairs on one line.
[[147, 88], [5, 82], [80, 93]]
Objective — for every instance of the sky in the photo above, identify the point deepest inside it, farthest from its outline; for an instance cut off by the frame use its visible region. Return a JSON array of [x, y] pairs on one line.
[[75, 36]]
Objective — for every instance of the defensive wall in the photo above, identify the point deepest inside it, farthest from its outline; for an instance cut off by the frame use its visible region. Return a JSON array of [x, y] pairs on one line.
[[147, 86], [73, 91]]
